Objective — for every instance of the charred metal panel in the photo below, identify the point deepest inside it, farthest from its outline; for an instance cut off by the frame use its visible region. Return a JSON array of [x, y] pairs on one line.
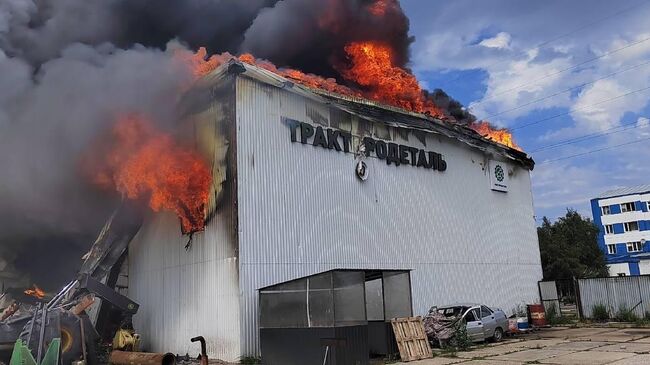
[[317, 113], [184, 293], [302, 210]]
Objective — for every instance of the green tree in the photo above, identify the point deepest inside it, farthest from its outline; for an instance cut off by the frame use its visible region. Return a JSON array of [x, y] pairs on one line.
[[569, 248]]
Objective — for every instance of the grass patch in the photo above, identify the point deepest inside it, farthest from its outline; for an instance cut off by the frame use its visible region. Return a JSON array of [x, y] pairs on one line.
[[626, 315], [599, 313]]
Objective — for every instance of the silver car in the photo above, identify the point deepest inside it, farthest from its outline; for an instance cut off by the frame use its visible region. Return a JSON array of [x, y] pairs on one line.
[[483, 323]]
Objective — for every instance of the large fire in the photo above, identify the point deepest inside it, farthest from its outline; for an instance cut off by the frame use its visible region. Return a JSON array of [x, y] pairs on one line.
[[502, 136], [371, 67], [202, 65], [142, 162], [36, 292]]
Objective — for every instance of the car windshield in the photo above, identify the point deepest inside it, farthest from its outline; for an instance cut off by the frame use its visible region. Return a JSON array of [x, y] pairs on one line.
[[452, 311]]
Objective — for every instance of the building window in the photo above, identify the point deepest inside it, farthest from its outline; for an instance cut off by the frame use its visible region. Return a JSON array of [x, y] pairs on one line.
[[605, 210], [621, 274], [627, 207], [631, 226], [611, 249], [634, 246], [609, 228]]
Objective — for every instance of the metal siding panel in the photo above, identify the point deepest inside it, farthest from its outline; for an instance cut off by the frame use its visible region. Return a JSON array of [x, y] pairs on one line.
[[183, 294], [303, 211], [616, 293]]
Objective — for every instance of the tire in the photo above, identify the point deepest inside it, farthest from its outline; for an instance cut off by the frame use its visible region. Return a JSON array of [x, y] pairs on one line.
[[498, 335]]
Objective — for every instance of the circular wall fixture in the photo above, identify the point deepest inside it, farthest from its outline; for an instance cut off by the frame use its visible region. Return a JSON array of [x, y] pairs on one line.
[[362, 170]]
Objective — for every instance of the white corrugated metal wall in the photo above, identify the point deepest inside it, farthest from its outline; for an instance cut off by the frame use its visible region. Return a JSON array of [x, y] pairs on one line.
[[302, 210], [183, 294]]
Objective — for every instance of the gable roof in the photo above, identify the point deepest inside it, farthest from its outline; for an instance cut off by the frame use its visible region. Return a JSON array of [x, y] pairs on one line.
[[639, 189], [373, 111]]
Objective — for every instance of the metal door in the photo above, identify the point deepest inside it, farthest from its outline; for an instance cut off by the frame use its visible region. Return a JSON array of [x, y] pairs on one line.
[[489, 323], [474, 325]]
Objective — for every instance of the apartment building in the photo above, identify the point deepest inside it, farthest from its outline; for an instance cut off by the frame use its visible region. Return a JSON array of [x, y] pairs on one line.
[[623, 217]]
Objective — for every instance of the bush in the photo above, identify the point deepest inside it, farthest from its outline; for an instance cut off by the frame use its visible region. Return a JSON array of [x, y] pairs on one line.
[[626, 315], [461, 340], [520, 310], [599, 312], [551, 315], [554, 319]]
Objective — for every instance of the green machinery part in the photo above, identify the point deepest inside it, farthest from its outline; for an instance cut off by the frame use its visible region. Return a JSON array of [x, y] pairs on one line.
[[22, 356]]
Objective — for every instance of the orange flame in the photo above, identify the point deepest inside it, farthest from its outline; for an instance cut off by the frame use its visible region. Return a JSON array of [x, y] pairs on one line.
[[36, 292], [202, 65], [140, 161], [199, 63], [502, 136], [372, 67]]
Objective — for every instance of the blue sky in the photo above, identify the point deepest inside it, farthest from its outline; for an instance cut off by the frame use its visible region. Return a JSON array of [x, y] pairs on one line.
[[553, 71]]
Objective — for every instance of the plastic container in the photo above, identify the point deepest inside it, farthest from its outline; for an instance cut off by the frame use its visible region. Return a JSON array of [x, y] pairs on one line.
[[522, 324]]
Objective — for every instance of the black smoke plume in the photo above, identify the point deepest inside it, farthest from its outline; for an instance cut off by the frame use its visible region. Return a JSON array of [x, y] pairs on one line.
[[69, 67]]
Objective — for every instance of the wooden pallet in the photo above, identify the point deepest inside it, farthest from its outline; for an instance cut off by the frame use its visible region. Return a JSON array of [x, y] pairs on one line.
[[411, 339]]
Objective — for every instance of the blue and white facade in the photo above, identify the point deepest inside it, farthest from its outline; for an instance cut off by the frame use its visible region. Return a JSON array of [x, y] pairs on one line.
[[623, 217]]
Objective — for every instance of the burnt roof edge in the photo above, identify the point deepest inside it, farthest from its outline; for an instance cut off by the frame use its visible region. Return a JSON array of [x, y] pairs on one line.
[[455, 131]]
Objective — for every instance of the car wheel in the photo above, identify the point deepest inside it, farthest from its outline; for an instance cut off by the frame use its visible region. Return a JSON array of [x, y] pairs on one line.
[[498, 335]]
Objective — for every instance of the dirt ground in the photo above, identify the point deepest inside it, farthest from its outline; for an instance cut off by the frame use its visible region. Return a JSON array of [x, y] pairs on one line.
[[589, 346]]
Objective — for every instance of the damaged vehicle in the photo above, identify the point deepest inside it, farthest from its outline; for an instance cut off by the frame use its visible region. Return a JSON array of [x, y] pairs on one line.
[[481, 322]]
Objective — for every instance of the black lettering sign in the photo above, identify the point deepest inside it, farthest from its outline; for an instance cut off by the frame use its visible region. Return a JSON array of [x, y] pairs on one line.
[[306, 131], [414, 155], [380, 149], [393, 153], [333, 139], [370, 145], [404, 154], [347, 138]]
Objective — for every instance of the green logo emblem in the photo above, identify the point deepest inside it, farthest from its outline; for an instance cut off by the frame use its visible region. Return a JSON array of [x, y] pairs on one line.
[[498, 173]]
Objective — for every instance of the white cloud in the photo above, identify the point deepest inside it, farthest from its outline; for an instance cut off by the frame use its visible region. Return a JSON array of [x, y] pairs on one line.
[[522, 66], [501, 40], [560, 185], [643, 125], [513, 84], [593, 108], [519, 72]]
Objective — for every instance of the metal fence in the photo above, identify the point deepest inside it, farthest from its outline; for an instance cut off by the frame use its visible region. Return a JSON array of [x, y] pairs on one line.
[[625, 293]]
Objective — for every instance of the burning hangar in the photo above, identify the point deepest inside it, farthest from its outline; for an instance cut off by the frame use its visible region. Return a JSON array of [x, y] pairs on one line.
[[329, 212]]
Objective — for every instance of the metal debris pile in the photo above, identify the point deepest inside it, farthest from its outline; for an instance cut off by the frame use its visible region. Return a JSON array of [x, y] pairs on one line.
[[439, 327]]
